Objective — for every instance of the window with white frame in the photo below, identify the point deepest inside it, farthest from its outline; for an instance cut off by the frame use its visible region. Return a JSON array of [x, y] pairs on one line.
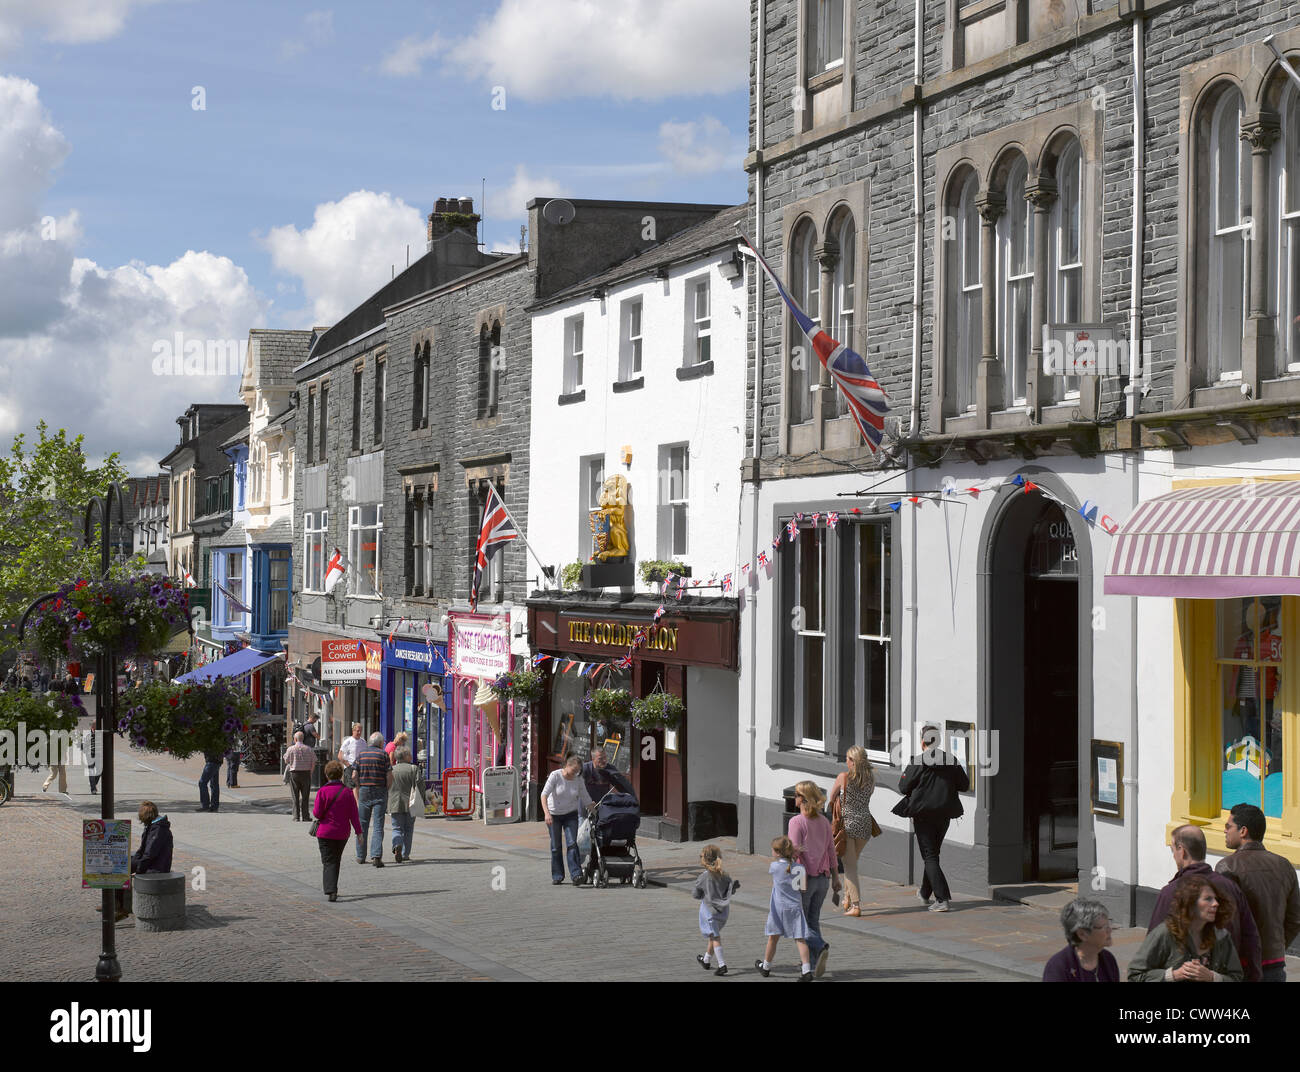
[[1285, 163], [591, 477], [365, 538], [964, 296], [573, 355], [809, 627], [1015, 230], [805, 288], [1229, 252], [420, 542], [629, 358], [872, 648], [233, 567], [315, 531], [674, 497], [1065, 249], [700, 342], [830, 34]]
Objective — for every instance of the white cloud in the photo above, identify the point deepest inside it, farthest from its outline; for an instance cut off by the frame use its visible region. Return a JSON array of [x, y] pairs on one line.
[[77, 339], [72, 22], [633, 50], [317, 30], [511, 202], [406, 57], [701, 146], [349, 249]]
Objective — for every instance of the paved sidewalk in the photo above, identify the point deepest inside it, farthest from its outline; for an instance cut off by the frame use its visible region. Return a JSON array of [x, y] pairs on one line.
[[263, 891]]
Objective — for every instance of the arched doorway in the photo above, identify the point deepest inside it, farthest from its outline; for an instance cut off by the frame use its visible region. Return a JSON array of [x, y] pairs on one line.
[[1033, 673]]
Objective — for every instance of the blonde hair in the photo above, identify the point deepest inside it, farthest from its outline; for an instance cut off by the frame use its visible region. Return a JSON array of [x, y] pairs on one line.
[[784, 848], [811, 796], [861, 767], [711, 857]]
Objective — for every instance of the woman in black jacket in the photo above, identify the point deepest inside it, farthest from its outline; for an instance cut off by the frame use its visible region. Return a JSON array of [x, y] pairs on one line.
[[930, 786], [154, 856]]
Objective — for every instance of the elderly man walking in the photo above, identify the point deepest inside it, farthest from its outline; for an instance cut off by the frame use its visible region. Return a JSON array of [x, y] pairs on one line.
[[374, 775], [299, 759]]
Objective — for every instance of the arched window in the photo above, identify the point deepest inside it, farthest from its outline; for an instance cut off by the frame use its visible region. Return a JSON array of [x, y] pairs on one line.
[[844, 318], [1285, 160], [1065, 248], [964, 296], [805, 287], [485, 393], [1229, 261], [1016, 284]]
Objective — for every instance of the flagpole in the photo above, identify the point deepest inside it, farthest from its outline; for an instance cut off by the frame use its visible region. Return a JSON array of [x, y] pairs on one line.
[[519, 529]]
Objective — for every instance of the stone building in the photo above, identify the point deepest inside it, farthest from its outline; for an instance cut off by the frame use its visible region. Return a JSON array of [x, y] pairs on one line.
[[969, 210]]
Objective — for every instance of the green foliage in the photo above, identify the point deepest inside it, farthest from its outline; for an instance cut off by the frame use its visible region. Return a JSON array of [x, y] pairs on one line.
[[571, 575], [660, 710], [44, 489], [465, 220], [184, 719], [654, 570], [518, 685], [609, 705], [46, 711]]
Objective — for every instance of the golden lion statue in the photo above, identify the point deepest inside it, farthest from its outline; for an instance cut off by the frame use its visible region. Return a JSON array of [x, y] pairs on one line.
[[609, 524]]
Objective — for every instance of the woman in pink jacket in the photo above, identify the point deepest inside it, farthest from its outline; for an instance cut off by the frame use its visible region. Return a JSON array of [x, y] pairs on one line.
[[336, 808], [810, 831]]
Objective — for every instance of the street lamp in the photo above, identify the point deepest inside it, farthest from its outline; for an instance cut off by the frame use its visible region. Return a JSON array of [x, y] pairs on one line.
[[107, 970]]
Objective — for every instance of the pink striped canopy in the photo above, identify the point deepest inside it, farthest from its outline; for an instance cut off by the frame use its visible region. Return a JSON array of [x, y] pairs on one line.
[[1212, 542]]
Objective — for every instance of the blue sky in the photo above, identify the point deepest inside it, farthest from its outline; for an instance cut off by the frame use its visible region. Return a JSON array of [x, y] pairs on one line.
[[208, 221]]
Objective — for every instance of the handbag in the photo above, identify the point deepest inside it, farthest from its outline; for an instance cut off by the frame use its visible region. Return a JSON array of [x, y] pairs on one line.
[[838, 833], [875, 826], [315, 823], [415, 803]]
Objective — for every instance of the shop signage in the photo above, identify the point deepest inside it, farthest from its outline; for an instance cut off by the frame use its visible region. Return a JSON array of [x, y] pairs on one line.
[[458, 791], [479, 649], [374, 665], [500, 794], [106, 854], [621, 634], [416, 655], [343, 662]]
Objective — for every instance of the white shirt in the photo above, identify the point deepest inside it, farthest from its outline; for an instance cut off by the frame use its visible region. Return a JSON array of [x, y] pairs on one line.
[[564, 796], [351, 746]]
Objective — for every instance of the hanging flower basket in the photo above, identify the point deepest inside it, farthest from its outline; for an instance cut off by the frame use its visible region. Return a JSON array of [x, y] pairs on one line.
[[132, 616], [659, 710], [523, 685], [184, 719], [609, 705], [36, 712]]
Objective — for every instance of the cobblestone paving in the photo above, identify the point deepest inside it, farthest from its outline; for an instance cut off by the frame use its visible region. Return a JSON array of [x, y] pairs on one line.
[[262, 915]]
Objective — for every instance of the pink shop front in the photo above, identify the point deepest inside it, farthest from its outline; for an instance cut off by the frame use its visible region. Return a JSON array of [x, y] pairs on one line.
[[485, 733]]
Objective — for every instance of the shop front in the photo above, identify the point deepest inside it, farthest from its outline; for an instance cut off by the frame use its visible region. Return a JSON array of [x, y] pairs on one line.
[[685, 778], [484, 733], [351, 669], [415, 680], [1227, 552]]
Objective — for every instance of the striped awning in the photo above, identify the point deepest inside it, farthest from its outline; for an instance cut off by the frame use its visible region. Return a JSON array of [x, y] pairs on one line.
[[1213, 542]]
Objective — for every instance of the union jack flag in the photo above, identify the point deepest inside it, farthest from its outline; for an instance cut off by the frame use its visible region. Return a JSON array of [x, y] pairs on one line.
[[867, 401], [726, 583], [762, 558], [776, 543], [497, 529], [832, 519]]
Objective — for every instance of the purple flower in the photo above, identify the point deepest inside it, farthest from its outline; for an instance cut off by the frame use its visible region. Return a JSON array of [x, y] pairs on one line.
[[123, 724], [162, 602], [155, 590], [140, 741]]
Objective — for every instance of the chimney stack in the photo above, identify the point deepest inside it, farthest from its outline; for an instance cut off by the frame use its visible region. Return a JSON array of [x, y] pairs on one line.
[[452, 214]]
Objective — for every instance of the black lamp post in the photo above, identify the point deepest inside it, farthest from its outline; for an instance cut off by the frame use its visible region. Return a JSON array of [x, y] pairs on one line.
[[107, 970]]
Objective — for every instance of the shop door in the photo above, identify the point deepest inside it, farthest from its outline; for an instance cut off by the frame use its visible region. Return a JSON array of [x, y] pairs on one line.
[[650, 787], [1051, 739]]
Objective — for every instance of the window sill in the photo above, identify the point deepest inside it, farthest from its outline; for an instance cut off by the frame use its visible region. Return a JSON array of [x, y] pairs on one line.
[[570, 399], [485, 423], [367, 598], [694, 372], [832, 77], [623, 386]]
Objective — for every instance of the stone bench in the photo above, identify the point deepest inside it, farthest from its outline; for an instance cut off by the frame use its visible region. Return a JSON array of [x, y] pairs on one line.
[[159, 901]]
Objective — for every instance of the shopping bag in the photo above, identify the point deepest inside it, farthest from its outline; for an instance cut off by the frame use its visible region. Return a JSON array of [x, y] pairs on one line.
[[584, 837]]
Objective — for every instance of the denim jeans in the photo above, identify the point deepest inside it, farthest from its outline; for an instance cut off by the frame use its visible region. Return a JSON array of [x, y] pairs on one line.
[[1273, 973], [371, 801], [403, 831], [232, 772], [569, 825], [208, 780], [813, 896]]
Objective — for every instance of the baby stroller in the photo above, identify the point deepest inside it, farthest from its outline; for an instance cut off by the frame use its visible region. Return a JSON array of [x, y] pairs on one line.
[[614, 823]]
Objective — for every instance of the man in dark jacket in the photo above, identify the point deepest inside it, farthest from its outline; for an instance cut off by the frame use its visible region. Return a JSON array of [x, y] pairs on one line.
[[930, 786], [154, 856], [1188, 847], [600, 777], [1269, 883]]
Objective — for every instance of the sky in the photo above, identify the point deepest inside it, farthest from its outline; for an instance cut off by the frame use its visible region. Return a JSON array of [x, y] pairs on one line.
[[204, 167]]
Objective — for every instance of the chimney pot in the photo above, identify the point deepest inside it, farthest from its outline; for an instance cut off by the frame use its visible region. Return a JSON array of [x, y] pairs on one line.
[[440, 205], [467, 206]]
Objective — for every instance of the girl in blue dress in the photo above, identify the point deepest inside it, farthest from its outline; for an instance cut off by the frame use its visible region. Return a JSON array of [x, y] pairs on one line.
[[713, 889], [785, 918]]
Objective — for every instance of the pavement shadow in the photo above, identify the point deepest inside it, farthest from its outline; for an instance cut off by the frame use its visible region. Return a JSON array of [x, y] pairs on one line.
[[392, 893], [198, 918]]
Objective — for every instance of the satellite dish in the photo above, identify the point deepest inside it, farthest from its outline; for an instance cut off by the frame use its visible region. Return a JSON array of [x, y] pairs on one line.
[[558, 211]]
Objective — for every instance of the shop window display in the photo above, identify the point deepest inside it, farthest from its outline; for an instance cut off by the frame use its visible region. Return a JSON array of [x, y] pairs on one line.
[[1249, 664], [574, 730]]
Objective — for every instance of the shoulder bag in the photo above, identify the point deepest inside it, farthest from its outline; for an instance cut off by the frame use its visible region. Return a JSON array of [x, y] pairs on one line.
[[838, 832], [315, 823]]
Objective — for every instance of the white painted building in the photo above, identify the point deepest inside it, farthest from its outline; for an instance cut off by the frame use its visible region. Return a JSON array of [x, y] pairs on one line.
[[639, 372]]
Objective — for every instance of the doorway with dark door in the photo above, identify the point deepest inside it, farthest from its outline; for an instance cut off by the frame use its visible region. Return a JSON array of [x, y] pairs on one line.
[[1051, 702], [650, 748]]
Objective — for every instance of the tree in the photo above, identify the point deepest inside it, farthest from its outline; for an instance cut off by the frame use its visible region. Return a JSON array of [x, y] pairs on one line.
[[43, 497]]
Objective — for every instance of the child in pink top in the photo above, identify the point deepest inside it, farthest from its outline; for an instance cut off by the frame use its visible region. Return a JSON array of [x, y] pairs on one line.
[[815, 843]]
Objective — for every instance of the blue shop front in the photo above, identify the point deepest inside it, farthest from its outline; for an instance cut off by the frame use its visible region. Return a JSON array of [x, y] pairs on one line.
[[414, 680]]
